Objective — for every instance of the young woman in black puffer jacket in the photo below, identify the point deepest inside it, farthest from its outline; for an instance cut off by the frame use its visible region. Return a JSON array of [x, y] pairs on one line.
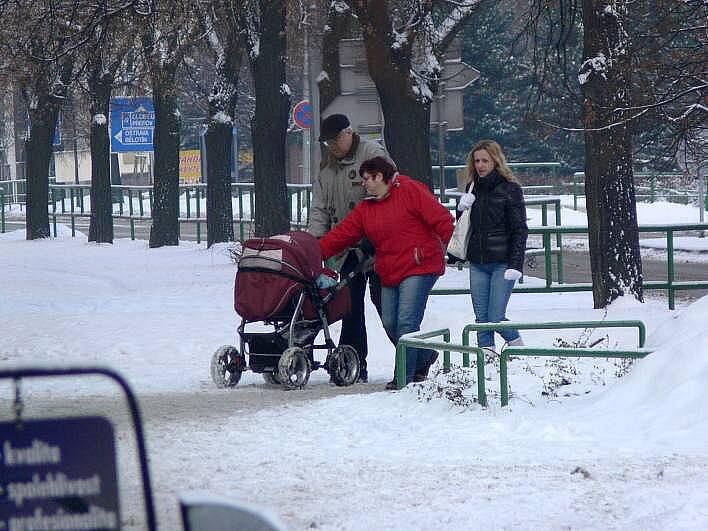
[[496, 239]]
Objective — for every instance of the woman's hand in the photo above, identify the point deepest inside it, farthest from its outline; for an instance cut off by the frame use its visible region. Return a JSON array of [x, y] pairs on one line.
[[466, 201], [512, 274]]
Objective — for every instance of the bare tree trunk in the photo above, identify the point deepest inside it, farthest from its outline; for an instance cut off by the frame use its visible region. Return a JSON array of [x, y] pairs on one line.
[[270, 122], [101, 225], [165, 206], [43, 119], [405, 97], [228, 46], [407, 129], [338, 27], [615, 259], [219, 139]]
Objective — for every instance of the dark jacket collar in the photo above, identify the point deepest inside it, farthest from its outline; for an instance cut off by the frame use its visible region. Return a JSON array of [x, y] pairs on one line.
[[490, 181]]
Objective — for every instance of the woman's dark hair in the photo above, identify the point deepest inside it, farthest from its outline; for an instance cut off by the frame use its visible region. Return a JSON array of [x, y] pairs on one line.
[[376, 165]]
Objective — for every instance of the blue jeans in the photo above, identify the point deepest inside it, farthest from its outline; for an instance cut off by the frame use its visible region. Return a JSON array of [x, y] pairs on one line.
[[402, 310], [490, 295]]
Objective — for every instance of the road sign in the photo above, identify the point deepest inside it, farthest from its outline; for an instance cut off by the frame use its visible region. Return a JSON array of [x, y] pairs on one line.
[[132, 124], [58, 474], [302, 114]]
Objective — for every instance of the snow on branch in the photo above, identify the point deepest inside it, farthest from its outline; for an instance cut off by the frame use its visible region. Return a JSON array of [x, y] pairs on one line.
[[595, 65], [695, 107], [449, 25], [339, 6]]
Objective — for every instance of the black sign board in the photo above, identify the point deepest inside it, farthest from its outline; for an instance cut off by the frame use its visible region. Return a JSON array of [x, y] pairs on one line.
[[58, 474]]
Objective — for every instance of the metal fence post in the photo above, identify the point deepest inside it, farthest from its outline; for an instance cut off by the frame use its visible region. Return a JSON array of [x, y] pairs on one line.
[[670, 263]]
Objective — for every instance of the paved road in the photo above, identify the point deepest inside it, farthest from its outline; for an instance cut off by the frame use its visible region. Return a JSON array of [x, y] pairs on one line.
[[576, 268]]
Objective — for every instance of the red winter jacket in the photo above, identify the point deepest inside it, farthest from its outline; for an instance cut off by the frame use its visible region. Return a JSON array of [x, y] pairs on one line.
[[408, 227]]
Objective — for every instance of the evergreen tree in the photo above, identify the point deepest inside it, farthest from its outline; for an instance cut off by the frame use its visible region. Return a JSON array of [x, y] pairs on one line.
[[510, 103]]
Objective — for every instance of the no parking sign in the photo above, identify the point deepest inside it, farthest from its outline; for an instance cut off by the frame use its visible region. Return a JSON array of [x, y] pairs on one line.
[[302, 114]]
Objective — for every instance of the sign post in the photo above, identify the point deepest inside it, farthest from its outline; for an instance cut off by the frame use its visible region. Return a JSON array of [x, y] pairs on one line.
[[302, 116]]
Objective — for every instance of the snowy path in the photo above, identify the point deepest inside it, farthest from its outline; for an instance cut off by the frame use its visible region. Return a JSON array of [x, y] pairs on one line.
[[319, 460], [361, 458]]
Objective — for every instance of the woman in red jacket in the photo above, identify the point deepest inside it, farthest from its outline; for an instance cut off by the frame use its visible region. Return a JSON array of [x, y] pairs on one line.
[[409, 229]]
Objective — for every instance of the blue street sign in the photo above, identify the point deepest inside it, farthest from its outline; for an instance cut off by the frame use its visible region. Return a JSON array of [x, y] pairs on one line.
[[132, 124], [58, 474]]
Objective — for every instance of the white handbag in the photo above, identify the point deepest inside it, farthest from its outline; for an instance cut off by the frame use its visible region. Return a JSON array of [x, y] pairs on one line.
[[457, 247], [458, 243]]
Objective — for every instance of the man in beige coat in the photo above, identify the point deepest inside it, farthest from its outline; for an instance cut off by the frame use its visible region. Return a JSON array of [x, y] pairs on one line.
[[335, 192]]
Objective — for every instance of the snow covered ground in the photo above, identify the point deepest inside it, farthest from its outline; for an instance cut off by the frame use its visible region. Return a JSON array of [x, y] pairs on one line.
[[588, 444]]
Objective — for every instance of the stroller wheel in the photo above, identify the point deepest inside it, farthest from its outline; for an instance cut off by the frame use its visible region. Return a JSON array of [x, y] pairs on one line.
[[343, 365], [294, 368], [271, 378], [226, 366]]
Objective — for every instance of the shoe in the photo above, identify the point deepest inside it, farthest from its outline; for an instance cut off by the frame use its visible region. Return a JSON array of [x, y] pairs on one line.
[[391, 386], [518, 342], [422, 376], [363, 378]]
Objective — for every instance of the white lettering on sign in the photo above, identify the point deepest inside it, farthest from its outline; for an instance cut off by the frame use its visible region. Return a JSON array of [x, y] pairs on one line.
[[137, 119], [94, 518], [40, 453], [53, 486], [136, 136]]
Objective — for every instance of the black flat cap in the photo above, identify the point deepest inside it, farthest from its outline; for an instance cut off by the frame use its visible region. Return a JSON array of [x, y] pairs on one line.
[[332, 126]]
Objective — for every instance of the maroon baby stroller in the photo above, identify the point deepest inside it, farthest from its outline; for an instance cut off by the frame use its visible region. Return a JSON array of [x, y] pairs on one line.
[[276, 286]]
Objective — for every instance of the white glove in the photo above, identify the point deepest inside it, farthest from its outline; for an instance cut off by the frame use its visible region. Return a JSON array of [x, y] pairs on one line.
[[512, 274], [466, 201]]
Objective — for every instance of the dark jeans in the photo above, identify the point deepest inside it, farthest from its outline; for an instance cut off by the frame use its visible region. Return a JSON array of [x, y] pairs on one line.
[[354, 324], [490, 296], [403, 311]]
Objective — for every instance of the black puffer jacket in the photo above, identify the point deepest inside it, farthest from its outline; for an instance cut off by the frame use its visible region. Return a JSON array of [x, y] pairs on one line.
[[498, 229]]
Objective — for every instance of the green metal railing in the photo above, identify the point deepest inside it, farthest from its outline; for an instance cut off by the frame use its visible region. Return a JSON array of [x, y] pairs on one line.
[[557, 352], [421, 340], [443, 191], [650, 192], [552, 351], [134, 201], [670, 284]]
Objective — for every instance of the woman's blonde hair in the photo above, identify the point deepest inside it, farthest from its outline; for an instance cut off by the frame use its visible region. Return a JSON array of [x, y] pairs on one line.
[[495, 151]]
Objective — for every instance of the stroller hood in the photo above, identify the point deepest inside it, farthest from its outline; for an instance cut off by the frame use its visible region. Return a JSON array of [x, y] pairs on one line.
[[272, 271]]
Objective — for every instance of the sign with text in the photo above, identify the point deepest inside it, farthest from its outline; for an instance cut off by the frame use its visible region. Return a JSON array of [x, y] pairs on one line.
[[58, 474], [132, 124], [190, 166]]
